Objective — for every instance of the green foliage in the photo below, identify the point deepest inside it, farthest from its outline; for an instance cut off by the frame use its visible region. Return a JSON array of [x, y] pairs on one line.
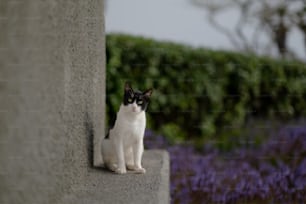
[[198, 92]]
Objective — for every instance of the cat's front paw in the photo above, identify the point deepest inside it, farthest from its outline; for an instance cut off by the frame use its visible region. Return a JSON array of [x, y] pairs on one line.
[[120, 171], [130, 167], [140, 170]]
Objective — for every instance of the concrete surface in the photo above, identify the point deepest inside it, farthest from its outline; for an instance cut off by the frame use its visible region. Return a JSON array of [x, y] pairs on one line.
[[52, 96], [102, 186], [52, 105]]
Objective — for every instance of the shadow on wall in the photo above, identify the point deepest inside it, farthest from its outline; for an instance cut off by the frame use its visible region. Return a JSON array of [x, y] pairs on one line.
[[90, 138]]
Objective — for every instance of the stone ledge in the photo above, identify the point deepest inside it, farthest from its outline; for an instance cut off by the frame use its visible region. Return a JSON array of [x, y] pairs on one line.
[[103, 186]]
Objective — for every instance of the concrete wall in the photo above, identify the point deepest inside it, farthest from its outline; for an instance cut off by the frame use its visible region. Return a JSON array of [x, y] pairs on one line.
[[51, 97], [52, 105]]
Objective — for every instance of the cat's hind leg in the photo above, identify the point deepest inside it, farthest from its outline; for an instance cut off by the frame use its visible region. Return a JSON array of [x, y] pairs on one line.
[[112, 166], [108, 156]]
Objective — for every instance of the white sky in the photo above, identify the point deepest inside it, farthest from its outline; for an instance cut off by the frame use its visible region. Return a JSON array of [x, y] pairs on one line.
[[175, 20]]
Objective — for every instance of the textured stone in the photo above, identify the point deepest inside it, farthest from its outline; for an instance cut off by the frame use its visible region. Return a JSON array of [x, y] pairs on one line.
[[101, 186], [52, 96], [52, 107]]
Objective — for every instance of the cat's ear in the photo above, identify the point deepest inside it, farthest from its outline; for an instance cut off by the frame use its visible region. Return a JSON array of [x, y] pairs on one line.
[[127, 87], [148, 93]]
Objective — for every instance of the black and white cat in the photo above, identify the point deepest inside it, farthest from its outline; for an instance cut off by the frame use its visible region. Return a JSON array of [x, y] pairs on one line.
[[122, 148]]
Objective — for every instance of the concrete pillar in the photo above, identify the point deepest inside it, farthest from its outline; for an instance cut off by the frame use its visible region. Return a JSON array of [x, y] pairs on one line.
[[52, 90]]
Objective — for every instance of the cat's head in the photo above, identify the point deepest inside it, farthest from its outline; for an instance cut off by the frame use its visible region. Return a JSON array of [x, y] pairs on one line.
[[136, 101]]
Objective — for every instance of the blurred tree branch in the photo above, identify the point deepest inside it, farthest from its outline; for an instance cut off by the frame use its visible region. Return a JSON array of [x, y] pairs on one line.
[[274, 18]]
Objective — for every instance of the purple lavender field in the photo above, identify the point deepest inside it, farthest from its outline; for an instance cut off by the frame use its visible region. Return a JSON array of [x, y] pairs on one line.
[[272, 172]]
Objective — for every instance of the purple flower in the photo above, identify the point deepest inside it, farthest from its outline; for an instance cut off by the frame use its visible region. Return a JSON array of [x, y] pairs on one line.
[[275, 170]]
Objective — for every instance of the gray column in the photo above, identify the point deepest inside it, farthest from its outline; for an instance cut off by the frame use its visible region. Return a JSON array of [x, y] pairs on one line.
[[52, 90]]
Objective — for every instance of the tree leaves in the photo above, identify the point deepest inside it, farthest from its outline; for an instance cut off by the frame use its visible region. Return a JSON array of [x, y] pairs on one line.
[[201, 91]]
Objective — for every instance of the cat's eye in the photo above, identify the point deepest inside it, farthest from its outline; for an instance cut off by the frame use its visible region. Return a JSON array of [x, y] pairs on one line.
[[140, 102], [130, 100]]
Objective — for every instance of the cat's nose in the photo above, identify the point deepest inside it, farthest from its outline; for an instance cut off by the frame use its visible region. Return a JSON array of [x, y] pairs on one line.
[[134, 108]]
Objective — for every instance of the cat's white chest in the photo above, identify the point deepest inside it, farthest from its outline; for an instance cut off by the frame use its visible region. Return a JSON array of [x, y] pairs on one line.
[[131, 128], [134, 127]]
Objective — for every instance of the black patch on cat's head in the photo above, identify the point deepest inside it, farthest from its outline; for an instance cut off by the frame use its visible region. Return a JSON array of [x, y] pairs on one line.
[[142, 99], [128, 94]]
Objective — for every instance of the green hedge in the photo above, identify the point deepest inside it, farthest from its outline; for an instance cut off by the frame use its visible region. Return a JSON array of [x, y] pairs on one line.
[[200, 92]]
